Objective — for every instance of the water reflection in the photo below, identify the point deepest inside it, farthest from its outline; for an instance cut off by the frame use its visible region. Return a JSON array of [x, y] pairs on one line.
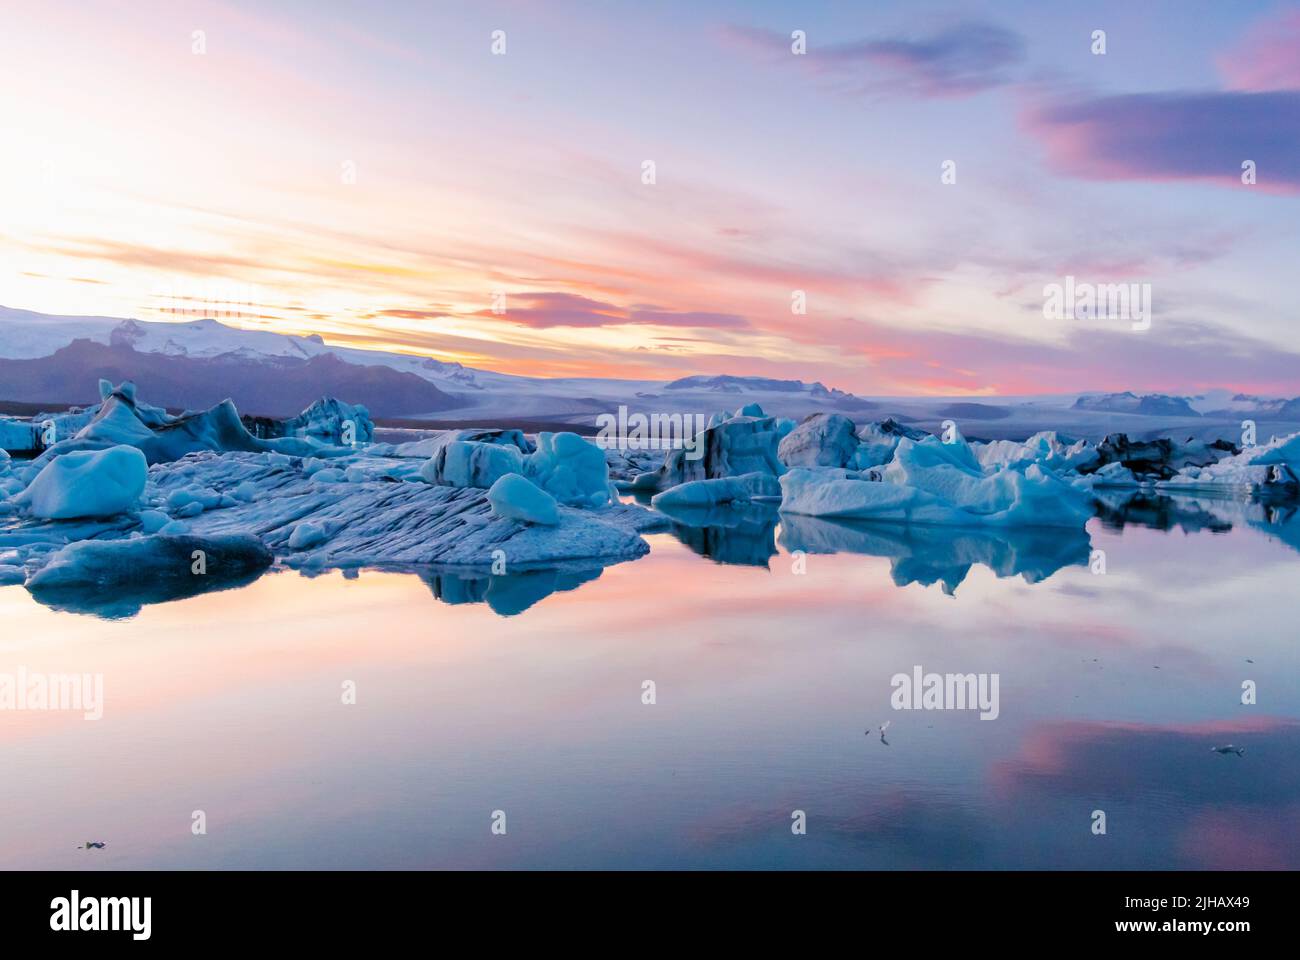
[[506, 594], [1158, 512], [747, 535], [742, 534], [124, 601], [926, 554], [1278, 521], [1114, 692]]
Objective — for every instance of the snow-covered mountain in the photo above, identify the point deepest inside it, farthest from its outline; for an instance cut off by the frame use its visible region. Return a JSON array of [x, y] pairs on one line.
[[272, 386], [28, 336], [25, 335], [188, 364], [1151, 404]]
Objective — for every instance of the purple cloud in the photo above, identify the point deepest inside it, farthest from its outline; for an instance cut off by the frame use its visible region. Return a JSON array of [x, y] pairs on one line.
[[1174, 136], [957, 61]]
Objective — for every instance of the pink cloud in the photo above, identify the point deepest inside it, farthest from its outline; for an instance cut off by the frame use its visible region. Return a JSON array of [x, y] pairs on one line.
[[1267, 57], [542, 310]]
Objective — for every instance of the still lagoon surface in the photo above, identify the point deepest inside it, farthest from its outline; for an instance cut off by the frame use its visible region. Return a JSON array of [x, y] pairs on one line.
[[771, 644]]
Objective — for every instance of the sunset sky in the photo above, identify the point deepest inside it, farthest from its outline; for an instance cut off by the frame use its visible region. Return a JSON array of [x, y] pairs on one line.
[[137, 175]]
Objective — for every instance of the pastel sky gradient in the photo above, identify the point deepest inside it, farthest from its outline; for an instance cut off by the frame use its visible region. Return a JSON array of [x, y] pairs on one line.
[[137, 175]]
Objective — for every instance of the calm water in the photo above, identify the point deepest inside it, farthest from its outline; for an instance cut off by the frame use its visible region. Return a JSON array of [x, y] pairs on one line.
[[505, 696]]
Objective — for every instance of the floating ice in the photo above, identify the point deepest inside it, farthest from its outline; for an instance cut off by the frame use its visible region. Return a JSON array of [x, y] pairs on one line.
[[151, 521], [121, 419], [821, 440], [331, 421], [878, 441], [566, 466], [386, 521], [1271, 470], [931, 481], [307, 535], [570, 469], [114, 578], [428, 447], [18, 435], [1047, 449], [734, 447], [708, 493], [88, 483], [468, 463], [518, 498]]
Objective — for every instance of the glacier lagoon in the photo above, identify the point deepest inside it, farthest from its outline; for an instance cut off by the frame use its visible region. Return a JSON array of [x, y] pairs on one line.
[[770, 640]]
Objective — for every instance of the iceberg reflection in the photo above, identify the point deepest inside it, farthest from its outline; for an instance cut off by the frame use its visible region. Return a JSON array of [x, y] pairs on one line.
[[735, 533], [929, 554], [506, 594]]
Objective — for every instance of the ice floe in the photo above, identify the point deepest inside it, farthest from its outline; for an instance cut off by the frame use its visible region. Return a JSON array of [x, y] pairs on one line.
[[707, 493], [821, 440], [517, 498], [569, 468], [134, 482], [1271, 470], [112, 512], [114, 578], [933, 481], [86, 483], [745, 443]]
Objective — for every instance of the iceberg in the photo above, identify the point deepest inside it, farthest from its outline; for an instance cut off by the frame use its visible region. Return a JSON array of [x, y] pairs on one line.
[[877, 442], [821, 440], [121, 419], [1158, 459], [1047, 448], [708, 493], [570, 469], [730, 448], [373, 520], [385, 521], [428, 447], [1271, 471], [114, 578], [470, 463], [332, 422], [518, 498], [933, 481], [20, 436], [87, 483]]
